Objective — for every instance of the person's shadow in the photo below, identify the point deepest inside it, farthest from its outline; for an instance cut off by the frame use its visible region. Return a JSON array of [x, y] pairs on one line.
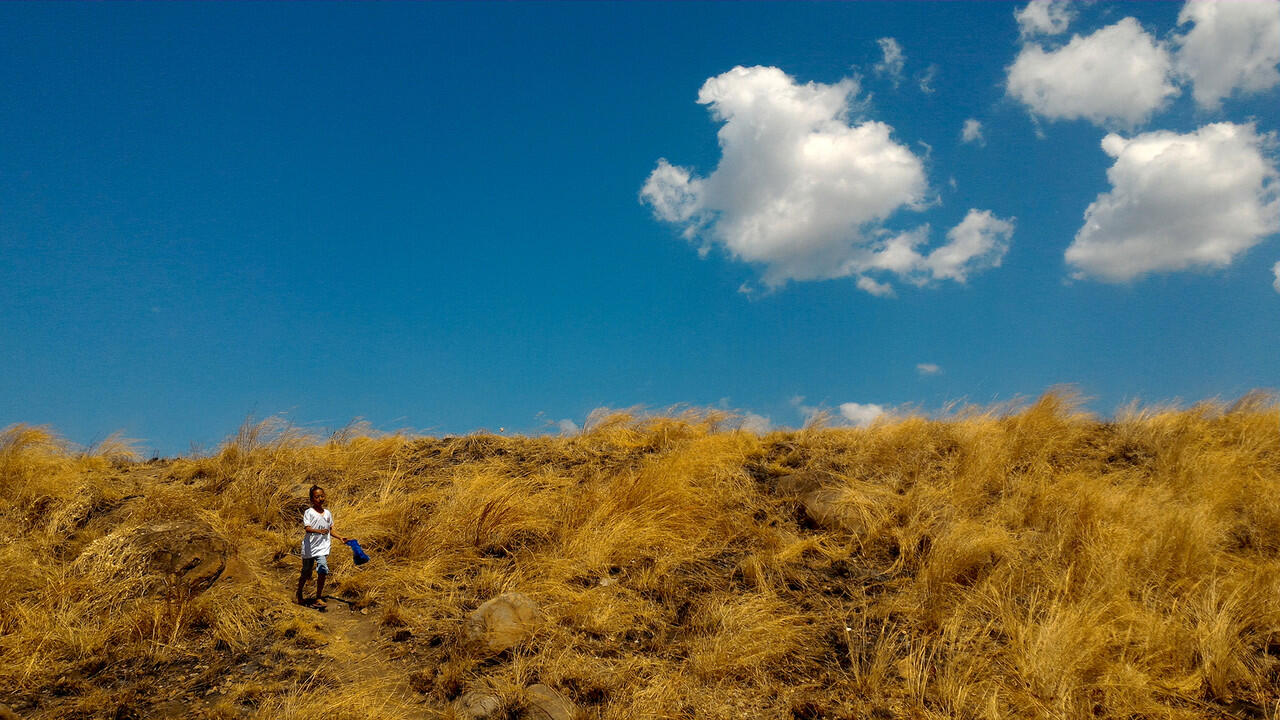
[[351, 606]]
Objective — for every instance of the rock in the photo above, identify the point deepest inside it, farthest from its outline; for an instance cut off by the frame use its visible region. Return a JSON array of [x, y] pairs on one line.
[[503, 622], [799, 483], [821, 508], [820, 501], [477, 705], [191, 557], [186, 557], [543, 703]]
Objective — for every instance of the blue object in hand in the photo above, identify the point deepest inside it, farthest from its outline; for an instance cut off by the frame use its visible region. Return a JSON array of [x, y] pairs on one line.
[[357, 552]]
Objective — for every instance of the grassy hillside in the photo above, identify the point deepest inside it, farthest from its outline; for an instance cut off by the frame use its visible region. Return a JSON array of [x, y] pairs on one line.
[[997, 564]]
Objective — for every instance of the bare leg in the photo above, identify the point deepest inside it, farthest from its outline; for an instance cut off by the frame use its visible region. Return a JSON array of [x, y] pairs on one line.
[[302, 580], [320, 578]]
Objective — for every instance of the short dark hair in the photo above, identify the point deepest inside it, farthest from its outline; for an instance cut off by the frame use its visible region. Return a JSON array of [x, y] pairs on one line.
[[311, 494]]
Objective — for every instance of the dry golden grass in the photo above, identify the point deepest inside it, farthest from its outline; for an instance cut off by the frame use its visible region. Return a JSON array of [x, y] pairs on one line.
[[1029, 562]]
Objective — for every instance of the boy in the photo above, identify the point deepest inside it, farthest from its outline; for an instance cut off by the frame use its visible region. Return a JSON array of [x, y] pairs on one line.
[[318, 523]]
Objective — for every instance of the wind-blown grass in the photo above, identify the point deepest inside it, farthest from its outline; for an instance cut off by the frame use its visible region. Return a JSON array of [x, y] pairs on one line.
[[1006, 563]]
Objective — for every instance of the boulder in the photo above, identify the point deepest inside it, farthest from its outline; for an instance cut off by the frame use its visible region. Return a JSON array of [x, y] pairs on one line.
[[186, 557], [544, 703], [799, 483], [821, 507], [477, 705], [191, 557], [819, 500], [503, 622]]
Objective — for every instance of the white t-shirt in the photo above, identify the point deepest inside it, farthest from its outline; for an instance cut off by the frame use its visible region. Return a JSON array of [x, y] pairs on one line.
[[315, 544]]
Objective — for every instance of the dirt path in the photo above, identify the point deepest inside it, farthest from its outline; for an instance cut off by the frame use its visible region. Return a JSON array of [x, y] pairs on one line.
[[356, 653]]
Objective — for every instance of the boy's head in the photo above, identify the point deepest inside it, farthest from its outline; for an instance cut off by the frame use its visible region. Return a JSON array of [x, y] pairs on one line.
[[317, 496]]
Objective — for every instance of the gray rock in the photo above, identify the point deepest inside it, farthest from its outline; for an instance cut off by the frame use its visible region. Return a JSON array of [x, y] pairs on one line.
[[503, 622], [477, 705], [799, 483], [544, 703]]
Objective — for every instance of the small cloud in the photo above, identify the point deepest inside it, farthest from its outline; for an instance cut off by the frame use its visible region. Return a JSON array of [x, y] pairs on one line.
[[758, 424], [977, 243], [807, 412], [1043, 17], [893, 62], [568, 427], [1276, 269], [972, 132], [928, 369], [673, 194], [926, 79], [879, 289], [860, 415]]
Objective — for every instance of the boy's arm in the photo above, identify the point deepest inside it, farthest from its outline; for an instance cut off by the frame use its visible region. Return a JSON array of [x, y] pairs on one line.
[[336, 535]]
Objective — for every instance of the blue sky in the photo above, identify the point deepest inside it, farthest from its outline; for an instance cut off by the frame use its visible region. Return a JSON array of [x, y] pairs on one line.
[[448, 217]]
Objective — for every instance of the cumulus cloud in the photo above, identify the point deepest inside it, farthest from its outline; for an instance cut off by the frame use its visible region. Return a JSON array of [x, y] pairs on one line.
[[1231, 46], [860, 415], [894, 61], [673, 194], [972, 132], [850, 413], [1043, 17], [802, 191], [758, 424], [928, 369], [977, 243], [568, 427], [1117, 75], [1275, 269], [1179, 201]]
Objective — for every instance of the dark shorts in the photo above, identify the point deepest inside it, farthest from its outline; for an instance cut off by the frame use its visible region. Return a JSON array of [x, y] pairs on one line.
[[319, 562]]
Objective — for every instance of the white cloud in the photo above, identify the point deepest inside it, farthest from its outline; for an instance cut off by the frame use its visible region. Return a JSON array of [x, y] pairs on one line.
[[856, 414], [1231, 46], [1276, 270], [1179, 201], [977, 243], [893, 61], [758, 424], [568, 427], [874, 287], [800, 190], [972, 132], [807, 412], [1119, 74], [672, 193], [927, 77], [860, 415], [1043, 17], [928, 369]]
